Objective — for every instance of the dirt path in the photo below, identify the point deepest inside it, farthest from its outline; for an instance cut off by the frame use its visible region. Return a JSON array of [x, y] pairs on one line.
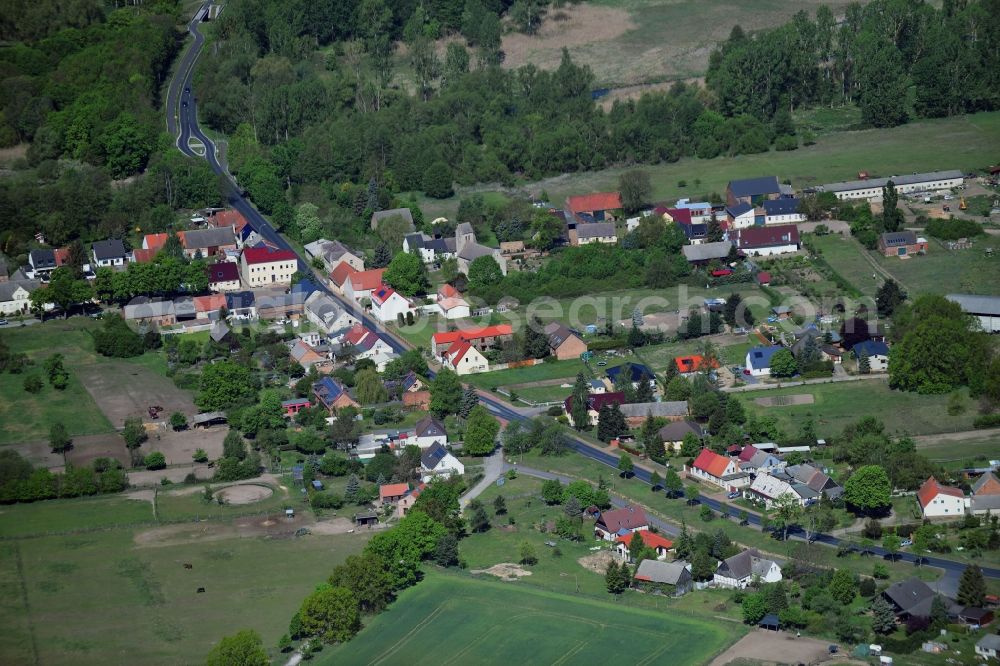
[[779, 647], [960, 436]]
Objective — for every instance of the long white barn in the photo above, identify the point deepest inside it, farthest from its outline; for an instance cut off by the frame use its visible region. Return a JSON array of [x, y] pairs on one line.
[[871, 189]]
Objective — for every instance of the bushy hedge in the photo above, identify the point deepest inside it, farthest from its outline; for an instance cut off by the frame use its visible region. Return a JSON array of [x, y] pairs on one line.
[[953, 228], [23, 483]]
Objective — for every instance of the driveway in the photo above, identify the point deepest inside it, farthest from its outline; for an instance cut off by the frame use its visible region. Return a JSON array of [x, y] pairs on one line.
[[492, 469]]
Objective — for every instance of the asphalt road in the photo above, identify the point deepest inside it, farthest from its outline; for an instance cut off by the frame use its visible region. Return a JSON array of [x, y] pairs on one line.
[[188, 127]]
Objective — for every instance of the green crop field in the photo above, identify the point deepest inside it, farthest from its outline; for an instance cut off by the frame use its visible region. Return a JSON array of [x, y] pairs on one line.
[[123, 595], [962, 142], [838, 404], [456, 620]]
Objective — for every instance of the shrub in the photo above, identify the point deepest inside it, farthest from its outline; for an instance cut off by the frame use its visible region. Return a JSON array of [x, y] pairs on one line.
[[786, 143], [326, 501], [155, 460], [33, 384]]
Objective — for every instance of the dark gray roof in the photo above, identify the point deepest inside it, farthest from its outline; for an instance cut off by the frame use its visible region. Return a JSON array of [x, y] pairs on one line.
[[669, 573], [42, 258], [109, 249], [989, 642], [908, 594], [404, 213], [897, 238], [977, 305], [141, 308], [558, 334], [739, 209], [473, 251], [912, 179], [675, 431], [751, 187], [595, 230], [414, 241], [7, 289], [781, 206], [985, 503], [743, 565], [669, 409], [211, 237], [706, 251], [429, 427], [433, 455]]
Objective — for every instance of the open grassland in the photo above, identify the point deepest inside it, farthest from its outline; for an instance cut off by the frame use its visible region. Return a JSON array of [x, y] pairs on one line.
[[25, 416], [847, 256], [962, 142], [629, 42], [835, 405], [60, 516], [121, 596], [944, 271], [476, 622]]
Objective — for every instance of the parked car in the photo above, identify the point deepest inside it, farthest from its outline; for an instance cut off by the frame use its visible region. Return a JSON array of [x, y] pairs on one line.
[[734, 494], [3, 322], [905, 542], [601, 364]]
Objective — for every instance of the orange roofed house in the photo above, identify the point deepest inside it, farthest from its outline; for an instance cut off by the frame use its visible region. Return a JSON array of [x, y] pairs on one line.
[[661, 545], [391, 493], [340, 276], [361, 284], [595, 207], [464, 358], [721, 471], [940, 501], [689, 365], [489, 337]]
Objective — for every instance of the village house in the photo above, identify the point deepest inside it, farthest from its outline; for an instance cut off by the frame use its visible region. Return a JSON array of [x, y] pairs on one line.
[[673, 578], [753, 461], [758, 360], [816, 479], [742, 216], [340, 275], [718, 470], [985, 495], [359, 285], [705, 253], [223, 276], [901, 243], [404, 213], [673, 433], [242, 305], [986, 309], [752, 191], [595, 401], [740, 570], [410, 383], [619, 522], [390, 493], [767, 241], [782, 211], [487, 337], [263, 267], [145, 311], [430, 249], [42, 262], [274, 304], [310, 358], [913, 598], [595, 232], [634, 373], [464, 358], [769, 490], [406, 502], [293, 406], [940, 501], [332, 253], [366, 343], [15, 297], [332, 395], [659, 544], [427, 432], [437, 463], [388, 304], [988, 647], [207, 242], [595, 207], [327, 314], [468, 250], [209, 307], [877, 353], [109, 253], [450, 303], [693, 364], [564, 344]]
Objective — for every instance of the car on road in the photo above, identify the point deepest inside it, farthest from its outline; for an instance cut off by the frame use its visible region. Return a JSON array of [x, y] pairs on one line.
[[3, 322], [905, 542], [602, 363], [184, 104], [187, 91]]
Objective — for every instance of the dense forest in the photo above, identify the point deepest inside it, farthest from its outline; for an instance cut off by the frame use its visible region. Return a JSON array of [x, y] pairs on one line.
[[81, 88]]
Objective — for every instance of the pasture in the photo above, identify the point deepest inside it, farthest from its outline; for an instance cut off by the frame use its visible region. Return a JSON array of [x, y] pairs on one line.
[[961, 142], [453, 620], [115, 595]]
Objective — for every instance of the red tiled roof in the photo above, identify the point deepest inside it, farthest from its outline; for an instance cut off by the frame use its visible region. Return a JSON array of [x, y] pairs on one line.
[[356, 334], [154, 241], [931, 489], [682, 215], [748, 452], [223, 271], [457, 351], [628, 518], [265, 255], [62, 255], [209, 303], [692, 363], [141, 256], [342, 271], [754, 237], [226, 218], [711, 462], [763, 277], [367, 280], [586, 203], [448, 291], [448, 337], [393, 490], [382, 293], [651, 539]]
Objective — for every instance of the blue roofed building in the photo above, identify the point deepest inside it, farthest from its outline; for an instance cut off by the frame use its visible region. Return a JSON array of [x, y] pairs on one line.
[[634, 372], [752, 191], [332, 395], [758, 360], [877, 353], [782, 211], [742, 215]]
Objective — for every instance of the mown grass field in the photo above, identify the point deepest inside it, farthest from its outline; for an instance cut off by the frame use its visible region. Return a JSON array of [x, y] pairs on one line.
[[459, 620], [944, 271], [25, 416], [839, 404], [121, 596], [962, 142]]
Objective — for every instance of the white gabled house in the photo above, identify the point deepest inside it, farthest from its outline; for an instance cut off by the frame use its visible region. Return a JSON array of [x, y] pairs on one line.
[[436, 463], [743, 568], [388, 304], [941, 501], [718, 470]]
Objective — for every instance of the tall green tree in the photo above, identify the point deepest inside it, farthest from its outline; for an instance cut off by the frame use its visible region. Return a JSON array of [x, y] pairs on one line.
[[330, 614], [481, 430], [407, 274], [892, 217], [446, 393], [869, 489], [244, 648], [972, 587], [636, 189]]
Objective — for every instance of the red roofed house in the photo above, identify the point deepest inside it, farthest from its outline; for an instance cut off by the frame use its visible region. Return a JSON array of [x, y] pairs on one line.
[[154, 242], [939, 501], [407, 501], [722, 471], [391, 493], [655, 541], [361, 284], [480, 338], [228, 218], [763, 278], [340, 275], [140, 256], [619, 522], [388, 304], [206, 306], [594, 403], [451, 304], [264, 266], [689, 365], [224, 276], [597, 207], [766, 241], [464, 358]]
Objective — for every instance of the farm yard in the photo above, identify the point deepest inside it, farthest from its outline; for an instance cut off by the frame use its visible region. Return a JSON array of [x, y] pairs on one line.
[[101, 581], [526, 626]]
